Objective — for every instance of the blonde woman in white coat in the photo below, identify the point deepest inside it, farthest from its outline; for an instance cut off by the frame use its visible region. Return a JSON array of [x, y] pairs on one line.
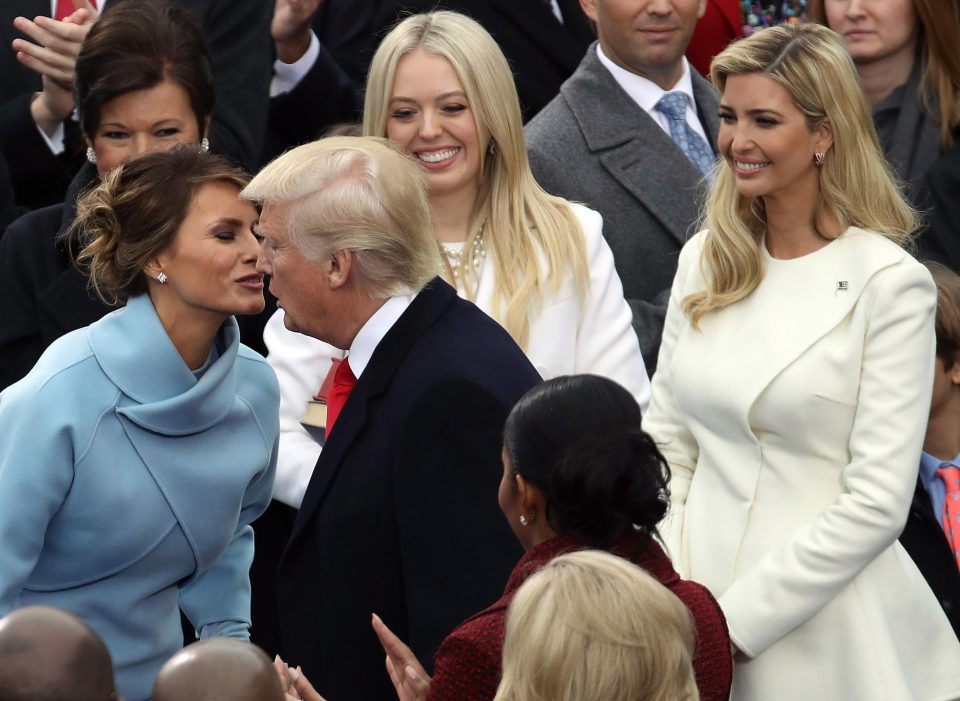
[[440, 88], [793, 389]]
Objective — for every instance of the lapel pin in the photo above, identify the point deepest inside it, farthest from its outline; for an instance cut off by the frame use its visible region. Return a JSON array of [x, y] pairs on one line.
[[842, 285]]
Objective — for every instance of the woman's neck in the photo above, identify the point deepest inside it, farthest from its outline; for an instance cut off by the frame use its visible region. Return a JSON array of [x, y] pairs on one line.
[[192, 334], [790, 227], [452, 216], [882, 76]]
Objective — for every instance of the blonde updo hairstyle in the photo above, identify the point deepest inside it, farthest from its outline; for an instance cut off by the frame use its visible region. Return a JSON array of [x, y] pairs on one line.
[[856, 184], [135, 213], [519, 220], [591, 626]]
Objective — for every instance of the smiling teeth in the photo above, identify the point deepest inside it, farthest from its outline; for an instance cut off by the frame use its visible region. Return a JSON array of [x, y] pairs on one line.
[[437, 156], [752, 166]]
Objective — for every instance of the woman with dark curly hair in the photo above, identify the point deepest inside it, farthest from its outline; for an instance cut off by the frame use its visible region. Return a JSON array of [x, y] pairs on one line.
[[578, 472]]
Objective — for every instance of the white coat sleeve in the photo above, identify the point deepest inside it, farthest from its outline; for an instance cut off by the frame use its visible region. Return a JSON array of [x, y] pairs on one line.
[[301, 363], [663, 420], [607, 345], [802, 575]]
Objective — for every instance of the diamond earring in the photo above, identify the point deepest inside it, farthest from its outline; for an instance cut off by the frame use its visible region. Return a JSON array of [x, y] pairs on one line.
[[161, 277], [523, 520], [91, 155], [204, 145]]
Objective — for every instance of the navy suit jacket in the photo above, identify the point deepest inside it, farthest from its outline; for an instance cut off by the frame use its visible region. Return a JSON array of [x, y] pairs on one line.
[[924, 540], [400, 517]]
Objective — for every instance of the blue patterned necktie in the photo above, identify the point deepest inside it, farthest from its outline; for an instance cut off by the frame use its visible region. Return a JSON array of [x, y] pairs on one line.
[[673, 105]]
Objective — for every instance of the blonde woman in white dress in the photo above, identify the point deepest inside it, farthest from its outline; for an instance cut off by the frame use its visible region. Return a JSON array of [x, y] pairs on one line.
[[441, 89], [793, 388]]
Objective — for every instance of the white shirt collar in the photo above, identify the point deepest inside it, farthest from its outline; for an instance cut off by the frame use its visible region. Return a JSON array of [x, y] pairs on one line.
[[644, 91], [372, 332]]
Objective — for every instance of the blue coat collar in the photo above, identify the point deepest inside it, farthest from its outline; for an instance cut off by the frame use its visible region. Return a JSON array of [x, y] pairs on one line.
[[138, 356]]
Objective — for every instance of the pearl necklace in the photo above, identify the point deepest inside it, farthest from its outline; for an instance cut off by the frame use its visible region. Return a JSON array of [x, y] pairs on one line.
[[455, 258]]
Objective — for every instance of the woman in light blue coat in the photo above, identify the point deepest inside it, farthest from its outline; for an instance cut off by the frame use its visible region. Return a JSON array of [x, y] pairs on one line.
[[136, 453]]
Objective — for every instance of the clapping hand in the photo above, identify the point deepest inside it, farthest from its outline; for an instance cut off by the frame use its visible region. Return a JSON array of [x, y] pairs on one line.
[[53, 54], [296, 687], [409, 678]]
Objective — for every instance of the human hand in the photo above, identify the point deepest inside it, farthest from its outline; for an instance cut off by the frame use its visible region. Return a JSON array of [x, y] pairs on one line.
[[53, 54], [296, 687], [290, 27], [410, 679]]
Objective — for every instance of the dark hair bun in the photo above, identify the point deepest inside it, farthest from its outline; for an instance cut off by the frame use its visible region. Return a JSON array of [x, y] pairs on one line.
[[603, 486], [578, 439]]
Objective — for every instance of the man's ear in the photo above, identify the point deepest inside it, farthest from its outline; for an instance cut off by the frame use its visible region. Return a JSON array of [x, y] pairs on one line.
[[955, 371], [589, 8], [339, 267]]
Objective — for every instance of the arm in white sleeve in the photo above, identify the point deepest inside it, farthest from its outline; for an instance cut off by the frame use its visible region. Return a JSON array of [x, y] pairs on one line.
[[301, 363]]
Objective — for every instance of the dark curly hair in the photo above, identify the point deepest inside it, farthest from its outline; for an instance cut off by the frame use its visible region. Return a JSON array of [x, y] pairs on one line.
[[578, 439]]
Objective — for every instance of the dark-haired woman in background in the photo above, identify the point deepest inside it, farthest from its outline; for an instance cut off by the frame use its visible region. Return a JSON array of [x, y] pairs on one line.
[[578, 472], [139, 449], [144, 83]]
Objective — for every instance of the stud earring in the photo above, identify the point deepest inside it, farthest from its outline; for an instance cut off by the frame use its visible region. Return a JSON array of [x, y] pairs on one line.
[[91, 155], [523, 520], [161, 277], [204, 145], [819, 158]]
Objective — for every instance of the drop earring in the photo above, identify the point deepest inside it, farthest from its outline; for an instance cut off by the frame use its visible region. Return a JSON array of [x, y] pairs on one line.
[[91, 155], [204, 145]]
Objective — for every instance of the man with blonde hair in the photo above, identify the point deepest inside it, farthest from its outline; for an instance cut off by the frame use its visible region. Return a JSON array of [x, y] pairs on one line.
[[400, 516]]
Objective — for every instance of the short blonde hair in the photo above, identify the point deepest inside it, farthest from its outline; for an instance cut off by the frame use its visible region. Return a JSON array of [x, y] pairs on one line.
[[519, 219], [857, 187], [592, 626], [359, 194]]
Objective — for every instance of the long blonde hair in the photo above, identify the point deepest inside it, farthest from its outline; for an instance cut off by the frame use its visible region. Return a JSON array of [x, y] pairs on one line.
[[518, 218], [856, 185]]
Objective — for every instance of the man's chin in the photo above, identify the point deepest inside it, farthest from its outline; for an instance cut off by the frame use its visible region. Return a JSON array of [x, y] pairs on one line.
[[289, 323]]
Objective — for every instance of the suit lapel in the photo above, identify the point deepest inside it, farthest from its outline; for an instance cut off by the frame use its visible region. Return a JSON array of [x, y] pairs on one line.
[[708, 102], [428, 306], [633, 148]]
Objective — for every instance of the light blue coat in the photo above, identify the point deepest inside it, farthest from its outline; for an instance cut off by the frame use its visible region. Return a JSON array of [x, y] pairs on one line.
[[127, 486]]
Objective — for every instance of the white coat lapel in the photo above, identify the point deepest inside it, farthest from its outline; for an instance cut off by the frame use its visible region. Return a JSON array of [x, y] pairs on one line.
[[772, 331]]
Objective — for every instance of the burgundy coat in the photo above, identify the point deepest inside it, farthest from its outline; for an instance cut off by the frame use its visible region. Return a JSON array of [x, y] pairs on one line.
[[467, 665]]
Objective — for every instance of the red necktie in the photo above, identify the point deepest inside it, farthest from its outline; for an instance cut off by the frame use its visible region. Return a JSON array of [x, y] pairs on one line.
[[343, 382], [65, 8], [950, 474]]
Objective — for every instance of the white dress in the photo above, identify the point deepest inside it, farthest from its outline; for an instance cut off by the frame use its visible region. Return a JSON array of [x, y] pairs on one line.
[[793, 421], [565, 338]]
